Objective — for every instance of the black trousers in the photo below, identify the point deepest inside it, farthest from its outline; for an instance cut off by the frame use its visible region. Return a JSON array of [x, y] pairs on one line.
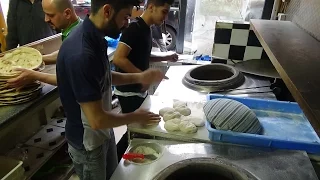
[[128, 105]]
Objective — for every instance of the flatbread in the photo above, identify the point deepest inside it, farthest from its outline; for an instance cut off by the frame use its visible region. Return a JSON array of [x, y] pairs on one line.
[[7, 90], [18, 101], [20, 93], [14, 98], [23, 57]]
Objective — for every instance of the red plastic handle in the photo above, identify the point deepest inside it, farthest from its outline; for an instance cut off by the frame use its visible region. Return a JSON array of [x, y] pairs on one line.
[[129, 156]]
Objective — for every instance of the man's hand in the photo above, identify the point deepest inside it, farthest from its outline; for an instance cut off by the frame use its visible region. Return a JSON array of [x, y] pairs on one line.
[[172, 58], [144, 117], [26, 77]]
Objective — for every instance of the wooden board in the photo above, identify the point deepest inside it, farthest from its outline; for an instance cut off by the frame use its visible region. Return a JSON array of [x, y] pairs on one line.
[[296, 56]]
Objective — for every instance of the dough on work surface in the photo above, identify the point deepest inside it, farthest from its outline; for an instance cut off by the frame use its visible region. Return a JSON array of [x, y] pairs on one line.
[[171, 115], [227, 114], [165, 110], [176, 120], [145, 150], [184, 110], [171, 125], [179, 103], [199, 122], [188, 127]]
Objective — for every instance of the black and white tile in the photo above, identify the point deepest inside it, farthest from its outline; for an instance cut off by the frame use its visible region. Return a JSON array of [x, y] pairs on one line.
[[236, 41]]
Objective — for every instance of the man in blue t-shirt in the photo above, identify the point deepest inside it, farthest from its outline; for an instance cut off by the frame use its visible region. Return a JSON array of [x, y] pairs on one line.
[[84, 81]]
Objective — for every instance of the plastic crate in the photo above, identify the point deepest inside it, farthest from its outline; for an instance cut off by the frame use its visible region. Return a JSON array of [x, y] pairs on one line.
[[284, 126], [11, 169]]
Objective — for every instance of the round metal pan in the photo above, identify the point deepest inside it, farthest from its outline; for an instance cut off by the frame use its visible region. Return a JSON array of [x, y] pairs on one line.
[[259, 67]]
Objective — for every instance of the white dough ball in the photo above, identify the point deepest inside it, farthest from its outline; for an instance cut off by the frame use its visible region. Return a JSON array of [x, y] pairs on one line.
[[184, 110], [171, 115], [165, 110], [199, 122], [179, 103], [171, 126], [188, 127], [176, 120]]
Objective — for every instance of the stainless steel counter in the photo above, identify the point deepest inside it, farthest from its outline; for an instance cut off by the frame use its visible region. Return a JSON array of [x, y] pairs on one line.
[[262, 163], [174, 89]]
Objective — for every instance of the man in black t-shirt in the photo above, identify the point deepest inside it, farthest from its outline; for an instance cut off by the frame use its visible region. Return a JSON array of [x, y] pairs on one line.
[[133, 56]]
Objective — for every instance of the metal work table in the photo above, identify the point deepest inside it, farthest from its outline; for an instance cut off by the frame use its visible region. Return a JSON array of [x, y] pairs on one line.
[[173, 88], [262, 163]]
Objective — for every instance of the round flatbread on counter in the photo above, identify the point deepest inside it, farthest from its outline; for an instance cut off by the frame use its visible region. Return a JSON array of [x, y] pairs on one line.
[[23, 57], [228, 114], [18, 101], [7, 90], [24, 91], [13, 96]]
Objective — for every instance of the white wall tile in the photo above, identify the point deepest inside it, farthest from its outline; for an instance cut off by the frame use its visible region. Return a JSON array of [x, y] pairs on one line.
[[221, 50], [223, 25], [253, 53], [239, 37]]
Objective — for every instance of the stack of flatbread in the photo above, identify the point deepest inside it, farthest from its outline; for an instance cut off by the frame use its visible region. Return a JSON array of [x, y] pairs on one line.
[[23, 57]]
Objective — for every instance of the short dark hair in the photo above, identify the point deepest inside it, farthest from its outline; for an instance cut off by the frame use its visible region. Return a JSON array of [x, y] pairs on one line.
[[116, 4], [159, 2]]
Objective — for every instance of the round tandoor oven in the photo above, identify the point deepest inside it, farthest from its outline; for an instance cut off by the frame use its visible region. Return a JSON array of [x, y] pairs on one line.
[[204, 169], [213, 77]]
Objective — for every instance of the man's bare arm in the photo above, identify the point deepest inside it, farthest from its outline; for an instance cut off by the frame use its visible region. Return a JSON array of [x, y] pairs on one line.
[[99, 119], [120, 59], [125, 78], [149, 76], [28, 76], [50, 58], [163, 56]]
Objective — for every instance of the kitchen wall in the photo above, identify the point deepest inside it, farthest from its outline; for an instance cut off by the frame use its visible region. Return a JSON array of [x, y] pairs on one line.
[[236, 41], [306, 14]]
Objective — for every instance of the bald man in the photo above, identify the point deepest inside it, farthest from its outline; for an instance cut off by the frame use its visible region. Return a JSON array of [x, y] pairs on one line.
[[60, 15]]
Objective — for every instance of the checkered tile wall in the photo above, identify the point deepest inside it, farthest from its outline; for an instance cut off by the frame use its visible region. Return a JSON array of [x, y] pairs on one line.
[[236, 41]]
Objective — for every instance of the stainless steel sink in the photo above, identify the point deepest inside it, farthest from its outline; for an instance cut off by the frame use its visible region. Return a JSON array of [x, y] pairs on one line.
[[204, 169]]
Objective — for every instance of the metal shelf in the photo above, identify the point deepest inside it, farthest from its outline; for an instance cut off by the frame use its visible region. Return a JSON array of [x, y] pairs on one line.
[[40, 148]]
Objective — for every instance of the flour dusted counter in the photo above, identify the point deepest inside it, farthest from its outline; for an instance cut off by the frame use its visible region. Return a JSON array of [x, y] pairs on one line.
[[186, 160], [173, 89]]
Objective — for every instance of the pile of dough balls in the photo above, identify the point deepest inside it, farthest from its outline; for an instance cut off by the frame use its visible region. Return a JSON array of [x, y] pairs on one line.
[[178, 118], [227, 114]]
